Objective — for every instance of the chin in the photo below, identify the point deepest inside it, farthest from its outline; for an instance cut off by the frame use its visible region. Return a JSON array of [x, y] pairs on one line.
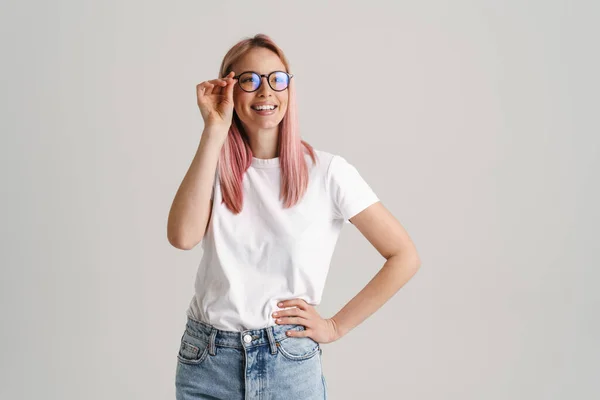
[[267, 124]]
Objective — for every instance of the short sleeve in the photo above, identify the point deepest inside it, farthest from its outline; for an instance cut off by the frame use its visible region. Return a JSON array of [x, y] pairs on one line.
[[350, 193]]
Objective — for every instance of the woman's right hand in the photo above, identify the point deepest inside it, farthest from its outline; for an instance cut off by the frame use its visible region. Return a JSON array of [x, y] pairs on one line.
[[215, 100]]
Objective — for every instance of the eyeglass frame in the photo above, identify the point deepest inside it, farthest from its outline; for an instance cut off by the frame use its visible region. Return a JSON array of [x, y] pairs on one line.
[[290, 76]]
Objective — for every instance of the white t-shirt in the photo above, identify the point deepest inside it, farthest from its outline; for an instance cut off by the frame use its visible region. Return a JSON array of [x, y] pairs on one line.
[[267, 253]]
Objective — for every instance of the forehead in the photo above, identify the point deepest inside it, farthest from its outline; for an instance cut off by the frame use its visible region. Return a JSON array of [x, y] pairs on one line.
[[259, 60]]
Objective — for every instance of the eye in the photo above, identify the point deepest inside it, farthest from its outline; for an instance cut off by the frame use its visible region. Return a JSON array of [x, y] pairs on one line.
[[278, 77]]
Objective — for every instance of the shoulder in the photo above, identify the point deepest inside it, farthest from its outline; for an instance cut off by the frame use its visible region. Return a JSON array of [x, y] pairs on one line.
[[332, 164], [324, 159], [335, 169]]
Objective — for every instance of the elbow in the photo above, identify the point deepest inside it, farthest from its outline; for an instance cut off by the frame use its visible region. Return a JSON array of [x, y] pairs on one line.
[[416, 260], [410, 258], [412, 254], [180, 238], [181, 243]]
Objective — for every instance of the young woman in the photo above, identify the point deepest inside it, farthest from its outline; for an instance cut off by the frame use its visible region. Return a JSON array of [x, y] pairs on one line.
[[268, 209]]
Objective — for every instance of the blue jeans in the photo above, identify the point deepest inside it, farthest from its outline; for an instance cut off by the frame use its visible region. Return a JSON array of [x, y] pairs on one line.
[[261, 364]]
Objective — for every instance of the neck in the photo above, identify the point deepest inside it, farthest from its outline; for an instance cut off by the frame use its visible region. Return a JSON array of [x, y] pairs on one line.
[[264, 142]]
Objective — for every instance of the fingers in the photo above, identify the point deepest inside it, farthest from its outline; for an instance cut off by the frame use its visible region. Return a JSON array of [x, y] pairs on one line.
[[204, 89], [229, 88], [300, 303], [303, 333], [292, 312], [209, 87], [217, 86], [296, 320]]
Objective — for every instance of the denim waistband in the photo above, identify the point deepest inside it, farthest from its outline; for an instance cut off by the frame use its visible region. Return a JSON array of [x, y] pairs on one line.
[[241, 339]]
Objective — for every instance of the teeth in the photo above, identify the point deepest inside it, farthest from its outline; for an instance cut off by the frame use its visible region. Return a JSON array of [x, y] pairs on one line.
[[259, 108]]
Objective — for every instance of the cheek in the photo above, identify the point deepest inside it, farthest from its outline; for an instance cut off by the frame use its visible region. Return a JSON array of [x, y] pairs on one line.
[[237, 98], [283, 103], [239, 103]]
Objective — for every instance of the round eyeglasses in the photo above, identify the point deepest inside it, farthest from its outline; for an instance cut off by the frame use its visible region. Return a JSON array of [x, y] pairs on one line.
[[250, 81]]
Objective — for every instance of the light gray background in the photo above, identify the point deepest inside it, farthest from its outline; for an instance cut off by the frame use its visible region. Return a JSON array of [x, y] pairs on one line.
[[472, 120]]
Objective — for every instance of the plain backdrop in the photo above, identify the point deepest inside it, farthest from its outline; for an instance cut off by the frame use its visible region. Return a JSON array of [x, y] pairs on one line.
[[473, 121]]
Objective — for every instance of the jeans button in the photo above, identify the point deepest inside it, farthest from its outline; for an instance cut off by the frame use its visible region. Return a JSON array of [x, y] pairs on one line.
[[247, 338]]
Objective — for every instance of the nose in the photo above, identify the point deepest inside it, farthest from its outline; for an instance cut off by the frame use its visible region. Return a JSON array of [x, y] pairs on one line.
[[264, 85]]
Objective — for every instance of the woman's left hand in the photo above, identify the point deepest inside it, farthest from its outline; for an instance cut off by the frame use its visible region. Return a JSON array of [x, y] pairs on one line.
[[319, 329]]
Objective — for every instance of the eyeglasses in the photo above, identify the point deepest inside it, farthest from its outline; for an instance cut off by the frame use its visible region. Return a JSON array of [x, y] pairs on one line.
[[250, 81]]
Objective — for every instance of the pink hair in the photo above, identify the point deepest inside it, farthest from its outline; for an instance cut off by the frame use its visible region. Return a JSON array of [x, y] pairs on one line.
[[236, 154]]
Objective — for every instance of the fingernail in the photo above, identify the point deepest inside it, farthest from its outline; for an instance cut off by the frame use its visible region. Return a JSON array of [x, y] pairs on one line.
[[280, 304]]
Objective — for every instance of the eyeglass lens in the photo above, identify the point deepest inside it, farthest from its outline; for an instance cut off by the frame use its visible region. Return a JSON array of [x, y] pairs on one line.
[[251, 81]]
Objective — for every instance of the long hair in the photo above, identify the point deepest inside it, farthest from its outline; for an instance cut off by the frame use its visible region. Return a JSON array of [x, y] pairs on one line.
[[236, 154]]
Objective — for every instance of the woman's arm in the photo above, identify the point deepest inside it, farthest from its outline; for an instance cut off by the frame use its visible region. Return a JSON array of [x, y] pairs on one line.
[[392, 241], [190, 212], [388, 236]]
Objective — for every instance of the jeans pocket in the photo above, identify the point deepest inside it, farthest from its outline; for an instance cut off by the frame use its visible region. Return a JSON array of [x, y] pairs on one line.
[[298, 348], [192, 350]]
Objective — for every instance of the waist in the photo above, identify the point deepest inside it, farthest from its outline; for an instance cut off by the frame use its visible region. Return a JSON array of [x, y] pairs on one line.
[[238, 339]]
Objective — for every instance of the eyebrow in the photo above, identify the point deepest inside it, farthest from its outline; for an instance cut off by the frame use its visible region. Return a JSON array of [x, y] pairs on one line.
[[267, 73]]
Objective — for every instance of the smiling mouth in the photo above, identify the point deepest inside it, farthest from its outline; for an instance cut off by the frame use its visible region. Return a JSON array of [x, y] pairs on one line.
[[267, 109], [265, 113]]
